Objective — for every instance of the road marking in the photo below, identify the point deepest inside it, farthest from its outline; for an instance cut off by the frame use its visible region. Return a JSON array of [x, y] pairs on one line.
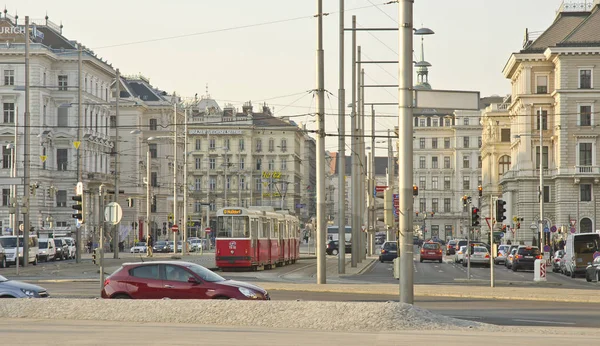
[[549, 322]]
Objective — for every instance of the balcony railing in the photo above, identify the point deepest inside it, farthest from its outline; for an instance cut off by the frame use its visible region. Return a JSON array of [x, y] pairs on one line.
[[587, 170]]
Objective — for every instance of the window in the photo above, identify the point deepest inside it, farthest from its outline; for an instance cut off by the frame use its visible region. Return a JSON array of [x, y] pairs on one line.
[[271, 164], [422, 183], [212, 163], [258, 164], [447, 205], [284, 164], [422, 205], [242, 183], [434, 183], [503, 165], [226, 144], [544, 157], [198, 144], [8, 109], [228, 183], [9, 77], [585, 192], [479, 142], [197, 207], [466, 142], [61, 159], [479, 162], [421, 143], [271, 145], [153, 124], [145, 272], [284, 145], [434, 205], [585, 79], [242, 163], [241, 145], [257, 185], [447, 183], [544, 119], [63, 83], [113, 121], [466, 183], [61, 198], [505, 135], [446, 143], [447, 122], [479, 181], [198, 163], [465, 121], [585, 115], [5, 197], [446, 162], [542, 85], [466, 162], [154, 179], [434, 143], [434, 162], [585, 154], [435, 123], [422, 163], [212, 144], [198, 184], [546, 194], [153, 147], [421, 122], [258, 145], [212, 183], [6, 157]]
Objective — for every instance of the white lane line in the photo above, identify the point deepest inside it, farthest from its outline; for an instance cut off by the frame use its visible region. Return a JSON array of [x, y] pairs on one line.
[[549, 322]]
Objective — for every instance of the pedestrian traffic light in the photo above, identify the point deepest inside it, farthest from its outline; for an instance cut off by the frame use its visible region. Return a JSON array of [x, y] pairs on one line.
[[95, 256], [500, 210], [130, 202], [474, 216], [415, 190], [480, 189]]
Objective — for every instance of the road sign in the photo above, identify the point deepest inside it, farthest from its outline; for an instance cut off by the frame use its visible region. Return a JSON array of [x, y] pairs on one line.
[[380, 188], [113, 213], [79, 189], [175, 228], [449, 99], [300, 205], [501, 235], [533, 226], [572, 222], [596, 254], [547, 248], [207, 230], [553, 229], [546, 230], [396, 199], [572, 229]]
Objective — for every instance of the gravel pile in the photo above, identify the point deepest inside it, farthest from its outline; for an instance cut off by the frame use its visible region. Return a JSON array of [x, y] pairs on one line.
[[339, 316]]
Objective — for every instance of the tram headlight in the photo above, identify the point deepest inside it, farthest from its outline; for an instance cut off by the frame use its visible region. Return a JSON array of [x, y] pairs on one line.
[[247, 292]]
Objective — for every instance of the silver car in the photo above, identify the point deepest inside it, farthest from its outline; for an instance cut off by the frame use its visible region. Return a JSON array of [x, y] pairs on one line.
[[19, 289], [502, 252], [459, 255], [480, 255]]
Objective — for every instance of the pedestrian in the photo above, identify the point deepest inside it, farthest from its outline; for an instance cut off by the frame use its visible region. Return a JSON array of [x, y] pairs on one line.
[[149, 244], [89, 246]]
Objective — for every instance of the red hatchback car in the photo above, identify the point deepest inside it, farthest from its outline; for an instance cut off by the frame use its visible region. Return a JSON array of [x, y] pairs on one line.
[[175, 280], [431, 251]]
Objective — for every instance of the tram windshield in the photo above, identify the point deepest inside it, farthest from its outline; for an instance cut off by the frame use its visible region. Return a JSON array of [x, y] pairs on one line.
[[233, 227]]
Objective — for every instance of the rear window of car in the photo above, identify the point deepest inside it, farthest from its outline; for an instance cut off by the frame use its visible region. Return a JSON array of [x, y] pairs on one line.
[[452, 242], [529, 252], [480, 249], [431, 246], [145, 272], [462, 242], [390, 246]]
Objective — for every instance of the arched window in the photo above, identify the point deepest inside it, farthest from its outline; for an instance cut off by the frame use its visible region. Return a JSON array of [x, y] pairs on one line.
[[585, 225], [503, 165]]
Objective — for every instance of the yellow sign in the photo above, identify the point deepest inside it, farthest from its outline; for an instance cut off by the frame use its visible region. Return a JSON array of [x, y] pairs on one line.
[[232, 211], [76, 144], [43, 158], [274, 175]]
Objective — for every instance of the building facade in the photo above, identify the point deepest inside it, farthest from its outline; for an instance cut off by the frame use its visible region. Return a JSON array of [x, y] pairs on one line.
[[556, 76]]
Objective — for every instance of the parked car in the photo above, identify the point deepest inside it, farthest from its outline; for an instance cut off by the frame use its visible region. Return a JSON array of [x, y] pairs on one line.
[[459, 255], [47, 250], [161, 246], [197, 244], [61, 249], [139, 247], [525, 258], [502, 253], [558, 255], [431, 251], [451, 247], [70, 246], [389, 251], [3, 262], [477, 255], [592, 271], [333, 247], [509, 258], [580, 249], [459, 243], [19, 289], [175, 280]]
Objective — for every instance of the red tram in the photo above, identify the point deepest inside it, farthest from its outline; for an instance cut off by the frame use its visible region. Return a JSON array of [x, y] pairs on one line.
[[256, 238]]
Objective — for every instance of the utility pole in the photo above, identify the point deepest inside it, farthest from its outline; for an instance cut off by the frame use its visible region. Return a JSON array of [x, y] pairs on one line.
[[359, 160], [341, 150], [354, 149], [321, 222], [541, 193], [148, 195], [117, 173], [26, 153], [239, 179], [78, 235], [390, 234], [185, 183], [363, 160], [405, 148], [373, 217], [101, 241], [175, 172]]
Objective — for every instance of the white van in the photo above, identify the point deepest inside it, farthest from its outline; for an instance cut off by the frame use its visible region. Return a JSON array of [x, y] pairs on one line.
[[9, 243], [579, 251], [47, 250]]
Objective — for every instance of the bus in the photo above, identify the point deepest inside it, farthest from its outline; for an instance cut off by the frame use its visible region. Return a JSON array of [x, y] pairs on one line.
[[333, 233]]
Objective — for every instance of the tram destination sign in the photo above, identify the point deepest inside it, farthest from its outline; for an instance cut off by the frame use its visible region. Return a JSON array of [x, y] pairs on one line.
[[232, 211], [215, 132]]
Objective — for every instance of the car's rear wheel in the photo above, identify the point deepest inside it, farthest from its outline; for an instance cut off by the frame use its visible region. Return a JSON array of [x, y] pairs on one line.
[[35, 261], [3, 263], [121, 296], [421, 260], [587, 277], [221, 298], [334, 252], [514, 268], [572, 274], [440, 261]]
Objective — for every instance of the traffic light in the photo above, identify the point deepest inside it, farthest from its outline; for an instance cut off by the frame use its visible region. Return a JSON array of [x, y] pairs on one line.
[[474, 216], [130, 202], [464, 201], [153, 199], [415, 190], [500, 210], [79, 208], [95, 256], [480, 189]]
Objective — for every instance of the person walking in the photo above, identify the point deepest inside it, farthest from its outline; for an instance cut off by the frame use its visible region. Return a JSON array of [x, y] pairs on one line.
[[149, 245]]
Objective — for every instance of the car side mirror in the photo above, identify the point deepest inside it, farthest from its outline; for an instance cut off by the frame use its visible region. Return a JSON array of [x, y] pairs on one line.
[[192, 280]]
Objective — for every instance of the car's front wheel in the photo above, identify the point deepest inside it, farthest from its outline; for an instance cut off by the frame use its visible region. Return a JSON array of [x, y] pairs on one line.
[[3, 262], [334, 252]]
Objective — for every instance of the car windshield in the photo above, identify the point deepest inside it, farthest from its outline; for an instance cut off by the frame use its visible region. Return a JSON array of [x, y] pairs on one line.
[[140, 244], [2, 278], [205, 274], [431, 246], [452, 242], [390, 246], [43, 245], [10, 243], [161, 243]]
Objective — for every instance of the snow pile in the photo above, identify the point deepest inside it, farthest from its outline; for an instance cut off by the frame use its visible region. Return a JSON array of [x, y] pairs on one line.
[[339, 316]]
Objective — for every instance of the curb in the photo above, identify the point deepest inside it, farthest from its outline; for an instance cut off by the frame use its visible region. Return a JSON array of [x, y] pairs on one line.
[[511, 283]]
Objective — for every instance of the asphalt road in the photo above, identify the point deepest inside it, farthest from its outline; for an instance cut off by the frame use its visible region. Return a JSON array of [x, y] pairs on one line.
[[499, 312]]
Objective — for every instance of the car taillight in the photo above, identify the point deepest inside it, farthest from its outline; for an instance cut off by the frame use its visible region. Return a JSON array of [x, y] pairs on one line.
[[487, 255], [106, 282], [439, 251], [538, 256], [460, 252], [557, 260], [499, 254], [422, 251], [518, 256], [383, 251]]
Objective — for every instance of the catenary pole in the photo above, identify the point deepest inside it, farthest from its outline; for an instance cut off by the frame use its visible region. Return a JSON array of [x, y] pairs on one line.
[[117, 157], [26, 153], [405, 148], [341, 160], [78, 234], [354, 150], [321, 226]]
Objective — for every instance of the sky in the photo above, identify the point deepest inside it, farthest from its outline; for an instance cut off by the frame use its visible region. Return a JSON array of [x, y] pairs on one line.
[[264, 50]]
